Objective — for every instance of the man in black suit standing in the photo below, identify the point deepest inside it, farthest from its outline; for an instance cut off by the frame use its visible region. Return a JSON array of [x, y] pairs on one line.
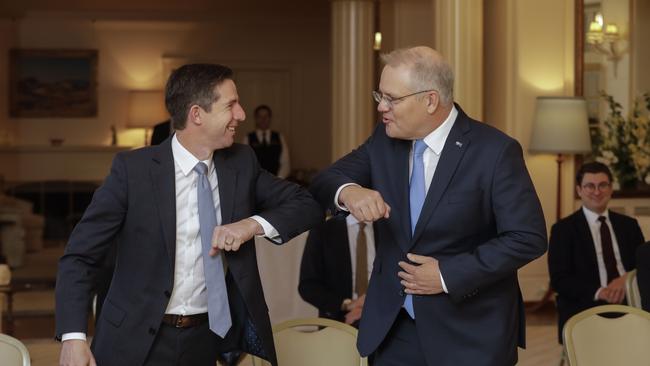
[[180, 213], [270, 146], [330, 278], [455, 215], [161, 132], [591, 251]]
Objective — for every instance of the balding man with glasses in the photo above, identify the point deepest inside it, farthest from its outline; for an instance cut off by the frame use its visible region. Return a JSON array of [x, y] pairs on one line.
[[592, 250], [455, 215]]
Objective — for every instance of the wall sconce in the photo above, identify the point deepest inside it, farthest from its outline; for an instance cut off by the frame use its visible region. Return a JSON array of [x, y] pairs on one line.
[[146, 108], [601, 33], [377, 44]]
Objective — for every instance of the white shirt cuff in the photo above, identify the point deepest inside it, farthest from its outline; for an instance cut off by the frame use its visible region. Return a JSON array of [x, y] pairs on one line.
[[597, 293], [442, 282], [336, 196], [75, 335], [269, 231]]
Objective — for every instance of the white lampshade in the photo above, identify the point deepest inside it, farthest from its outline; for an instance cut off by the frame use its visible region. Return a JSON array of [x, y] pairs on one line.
[[146, 108], [560, 126]]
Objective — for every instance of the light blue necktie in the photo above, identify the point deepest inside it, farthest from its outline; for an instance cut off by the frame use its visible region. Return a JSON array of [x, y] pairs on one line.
[[215, 281], [417, 194]]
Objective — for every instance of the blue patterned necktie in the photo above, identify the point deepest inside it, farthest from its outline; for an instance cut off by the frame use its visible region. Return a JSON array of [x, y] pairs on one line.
[[215, 281], [417, 193]]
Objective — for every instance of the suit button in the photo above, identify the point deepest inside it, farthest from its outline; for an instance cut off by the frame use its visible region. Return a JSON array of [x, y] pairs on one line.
[[401, 292], [152, 331], [168, 294]]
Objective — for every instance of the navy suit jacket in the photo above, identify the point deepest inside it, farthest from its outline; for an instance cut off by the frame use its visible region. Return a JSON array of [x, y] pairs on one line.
[[481, 219], [136, 205], [572, 262]]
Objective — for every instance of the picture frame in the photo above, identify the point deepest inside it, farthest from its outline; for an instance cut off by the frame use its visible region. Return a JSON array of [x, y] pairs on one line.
[[52, 83]]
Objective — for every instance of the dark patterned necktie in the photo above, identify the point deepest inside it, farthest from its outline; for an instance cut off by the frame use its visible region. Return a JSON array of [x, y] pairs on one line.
[[608, 250]]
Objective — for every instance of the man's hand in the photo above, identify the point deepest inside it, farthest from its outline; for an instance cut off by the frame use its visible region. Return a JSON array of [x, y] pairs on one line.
[[615, 291], [230, 237], [355, 309], [366, 205], [75, 352], [422, 278]]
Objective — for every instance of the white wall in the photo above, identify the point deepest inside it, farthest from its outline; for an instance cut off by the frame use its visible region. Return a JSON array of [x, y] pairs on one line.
[[131, 53]]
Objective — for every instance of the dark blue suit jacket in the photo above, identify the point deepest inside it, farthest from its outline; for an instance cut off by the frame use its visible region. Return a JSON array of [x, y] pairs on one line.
[[481, 219], [136, 205]]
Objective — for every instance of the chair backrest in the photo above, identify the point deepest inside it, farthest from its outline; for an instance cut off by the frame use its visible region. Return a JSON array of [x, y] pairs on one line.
[[594, 340], [632, 294], [315, 342], [13, 352]]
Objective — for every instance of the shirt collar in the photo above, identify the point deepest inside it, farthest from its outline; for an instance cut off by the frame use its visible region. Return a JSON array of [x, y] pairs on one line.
[[592, 216], [185, 160], [436, 139]]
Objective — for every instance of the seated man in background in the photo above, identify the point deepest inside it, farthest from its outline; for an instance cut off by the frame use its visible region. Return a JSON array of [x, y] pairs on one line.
[[269, 146], [330, 278], [591, 251], [643, 274]]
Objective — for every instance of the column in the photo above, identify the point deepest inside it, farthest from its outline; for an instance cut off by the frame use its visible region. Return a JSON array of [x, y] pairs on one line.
[[459, 37], [352, 74]]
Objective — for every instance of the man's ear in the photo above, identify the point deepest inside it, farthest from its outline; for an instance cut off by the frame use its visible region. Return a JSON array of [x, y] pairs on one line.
[[433, 100], [194, 115]]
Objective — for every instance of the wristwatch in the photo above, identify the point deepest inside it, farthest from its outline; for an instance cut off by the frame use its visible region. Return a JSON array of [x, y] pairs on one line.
[[345, 304]]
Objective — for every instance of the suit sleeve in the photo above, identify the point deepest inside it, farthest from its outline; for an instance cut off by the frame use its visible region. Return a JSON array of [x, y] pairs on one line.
[[289, 208], [562, 269], [352, 168], [520, 235], [89, 243], [313, 286]]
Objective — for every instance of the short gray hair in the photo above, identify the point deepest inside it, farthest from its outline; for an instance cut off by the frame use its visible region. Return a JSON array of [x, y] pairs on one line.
[[428, 71]]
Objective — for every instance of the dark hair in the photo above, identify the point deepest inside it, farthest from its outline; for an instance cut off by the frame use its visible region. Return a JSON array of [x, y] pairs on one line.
[[263, 107], [593, 167], [193, 84]]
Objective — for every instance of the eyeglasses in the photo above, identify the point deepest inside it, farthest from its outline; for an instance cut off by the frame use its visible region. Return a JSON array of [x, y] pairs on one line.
[[590, 187], [390, 101]]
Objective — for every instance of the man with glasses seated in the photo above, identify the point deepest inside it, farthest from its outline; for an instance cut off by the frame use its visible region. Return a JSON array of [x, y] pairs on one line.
[[591, 251]]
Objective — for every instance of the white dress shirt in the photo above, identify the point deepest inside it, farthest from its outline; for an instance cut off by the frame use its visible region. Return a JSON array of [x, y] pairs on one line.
[[594, 227], [265, 136], [189, 294], [435, 142], [353, 232]]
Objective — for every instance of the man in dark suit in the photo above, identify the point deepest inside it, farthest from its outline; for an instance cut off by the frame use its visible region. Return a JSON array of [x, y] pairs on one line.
[[591, 250], [270, 147], [329, 273], [455, 215], [161, 132], [176, 210], [643, 274]]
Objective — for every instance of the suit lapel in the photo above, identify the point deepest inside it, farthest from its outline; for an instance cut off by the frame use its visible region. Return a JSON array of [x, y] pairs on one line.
[[227, 178], [451, 155], [399, 165], [587, 240], [622, 241], [163, 182], [342, 255]]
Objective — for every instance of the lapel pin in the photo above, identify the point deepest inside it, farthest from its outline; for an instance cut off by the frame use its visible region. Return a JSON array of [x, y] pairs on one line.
[[459, 144]]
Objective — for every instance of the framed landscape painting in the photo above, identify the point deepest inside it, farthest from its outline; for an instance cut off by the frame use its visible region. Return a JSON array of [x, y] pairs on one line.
[[52, 83]]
